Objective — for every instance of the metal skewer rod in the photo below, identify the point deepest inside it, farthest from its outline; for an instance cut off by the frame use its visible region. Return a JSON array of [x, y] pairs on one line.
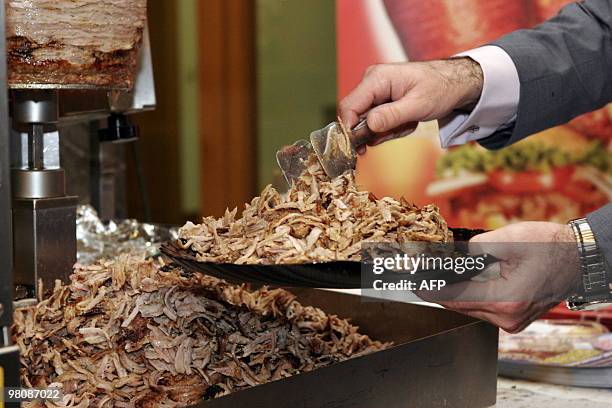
[[36, 147]]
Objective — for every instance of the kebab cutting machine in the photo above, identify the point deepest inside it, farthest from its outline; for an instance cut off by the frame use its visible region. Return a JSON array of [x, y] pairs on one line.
[[37, 216]]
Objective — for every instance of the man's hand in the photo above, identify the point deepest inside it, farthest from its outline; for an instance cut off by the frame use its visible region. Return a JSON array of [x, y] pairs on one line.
[[540, 267], [397, 95]]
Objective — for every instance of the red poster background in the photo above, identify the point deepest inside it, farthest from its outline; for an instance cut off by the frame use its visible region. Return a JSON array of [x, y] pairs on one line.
[[378, 31]]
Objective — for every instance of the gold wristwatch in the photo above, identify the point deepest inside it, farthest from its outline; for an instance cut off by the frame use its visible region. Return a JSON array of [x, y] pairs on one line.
[[596, 284]]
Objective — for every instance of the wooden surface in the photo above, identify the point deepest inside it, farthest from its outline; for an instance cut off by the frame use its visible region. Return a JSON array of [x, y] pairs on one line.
[[227, 104]]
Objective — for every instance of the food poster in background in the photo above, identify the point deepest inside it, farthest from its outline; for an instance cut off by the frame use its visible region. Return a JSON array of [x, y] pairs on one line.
[[557, 175]]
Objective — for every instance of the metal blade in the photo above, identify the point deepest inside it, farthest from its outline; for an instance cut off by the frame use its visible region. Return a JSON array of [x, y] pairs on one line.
[[334, 149], [291, 159]]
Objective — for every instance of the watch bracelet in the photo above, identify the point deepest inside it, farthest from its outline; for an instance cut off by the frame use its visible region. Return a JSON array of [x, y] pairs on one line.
[[595, 282]]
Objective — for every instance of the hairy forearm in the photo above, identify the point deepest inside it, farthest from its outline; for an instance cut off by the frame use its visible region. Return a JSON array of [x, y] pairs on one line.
[[466, 76]]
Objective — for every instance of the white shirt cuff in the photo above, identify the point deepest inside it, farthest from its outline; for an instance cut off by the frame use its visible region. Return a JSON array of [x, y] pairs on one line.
[[498, 104]]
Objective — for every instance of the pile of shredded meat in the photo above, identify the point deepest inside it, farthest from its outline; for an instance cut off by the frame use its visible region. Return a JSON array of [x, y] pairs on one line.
[[318, 220], [135, 333]]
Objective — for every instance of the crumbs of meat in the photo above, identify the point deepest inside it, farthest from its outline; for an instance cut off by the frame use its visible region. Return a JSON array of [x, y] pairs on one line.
[[124, 333], [319, 219]]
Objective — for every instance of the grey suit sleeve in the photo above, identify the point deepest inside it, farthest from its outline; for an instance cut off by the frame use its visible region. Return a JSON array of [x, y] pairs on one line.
[[565, 70], [564, 67]]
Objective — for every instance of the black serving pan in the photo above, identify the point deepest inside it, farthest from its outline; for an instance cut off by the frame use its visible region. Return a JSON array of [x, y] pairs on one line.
[[440, 359], [328, 275]]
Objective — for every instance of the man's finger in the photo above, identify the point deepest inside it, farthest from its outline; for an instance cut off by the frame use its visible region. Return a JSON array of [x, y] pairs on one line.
[[349, 117], [482, 314], [505, 322], [394, 115], [494, 243], [508, 323], [370, 92], [361, 149]]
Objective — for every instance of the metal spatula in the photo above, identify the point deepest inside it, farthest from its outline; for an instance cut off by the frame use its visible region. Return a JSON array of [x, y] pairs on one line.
[[334, 146], [291, 159]]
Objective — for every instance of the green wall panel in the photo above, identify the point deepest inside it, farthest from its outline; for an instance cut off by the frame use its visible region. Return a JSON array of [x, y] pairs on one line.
[[187, 68], [296, 74]]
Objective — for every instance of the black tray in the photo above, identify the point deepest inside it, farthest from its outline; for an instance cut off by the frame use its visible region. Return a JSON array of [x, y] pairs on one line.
[[328, 275], [441, 359]]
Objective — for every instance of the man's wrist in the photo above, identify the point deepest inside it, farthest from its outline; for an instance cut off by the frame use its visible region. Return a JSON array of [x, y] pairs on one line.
[[565, 259], [465, 80], [469, 77], [489, 99], [474, 80]]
